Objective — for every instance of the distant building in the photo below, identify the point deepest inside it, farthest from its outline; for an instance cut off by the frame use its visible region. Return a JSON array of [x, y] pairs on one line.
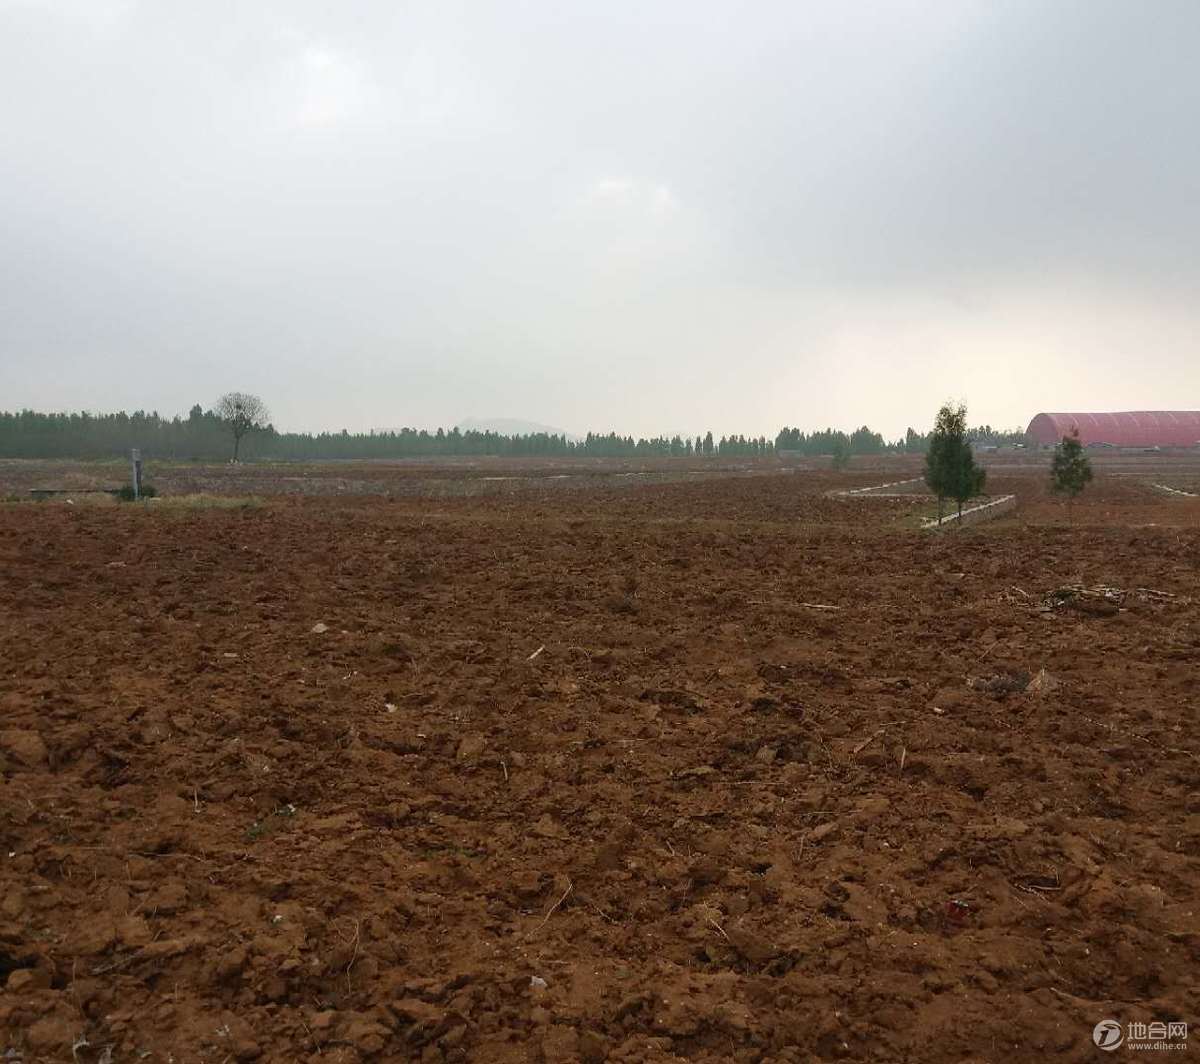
[[1132, 428]]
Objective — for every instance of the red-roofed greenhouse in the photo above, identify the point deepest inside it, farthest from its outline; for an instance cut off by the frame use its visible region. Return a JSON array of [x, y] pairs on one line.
[[1133, 428]]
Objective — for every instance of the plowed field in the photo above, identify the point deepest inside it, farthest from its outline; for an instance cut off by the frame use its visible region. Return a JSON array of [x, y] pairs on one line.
[[587, 775]]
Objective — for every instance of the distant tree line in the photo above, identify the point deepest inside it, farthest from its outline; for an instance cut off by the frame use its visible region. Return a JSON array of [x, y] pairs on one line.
[[833, 441], [205, 434], [864, 441], [201, 434]]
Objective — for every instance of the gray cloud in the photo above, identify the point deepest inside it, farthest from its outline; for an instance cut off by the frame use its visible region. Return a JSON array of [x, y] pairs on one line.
[[648, 217]]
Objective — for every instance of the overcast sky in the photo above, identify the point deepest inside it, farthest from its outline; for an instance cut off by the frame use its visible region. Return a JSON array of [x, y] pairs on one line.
[[648, 216]]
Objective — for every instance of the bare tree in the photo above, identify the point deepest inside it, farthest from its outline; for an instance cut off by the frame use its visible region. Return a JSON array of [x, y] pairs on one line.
[[241, 413]]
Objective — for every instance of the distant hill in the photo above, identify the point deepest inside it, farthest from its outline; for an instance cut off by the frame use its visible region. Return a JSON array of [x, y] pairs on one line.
[[509, 426]]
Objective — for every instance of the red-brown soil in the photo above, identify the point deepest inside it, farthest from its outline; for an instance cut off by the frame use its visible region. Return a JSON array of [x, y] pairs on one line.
[[576, 775]]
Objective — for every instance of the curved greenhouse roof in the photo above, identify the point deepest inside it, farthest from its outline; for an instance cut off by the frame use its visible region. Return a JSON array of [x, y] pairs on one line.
[[1132, 428]]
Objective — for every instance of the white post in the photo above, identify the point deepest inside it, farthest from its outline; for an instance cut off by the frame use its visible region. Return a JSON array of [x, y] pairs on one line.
[[136, 457]]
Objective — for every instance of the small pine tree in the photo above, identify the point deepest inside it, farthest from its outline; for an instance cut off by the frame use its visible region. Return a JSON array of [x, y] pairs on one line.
[[1070, 470], [950, 469]]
